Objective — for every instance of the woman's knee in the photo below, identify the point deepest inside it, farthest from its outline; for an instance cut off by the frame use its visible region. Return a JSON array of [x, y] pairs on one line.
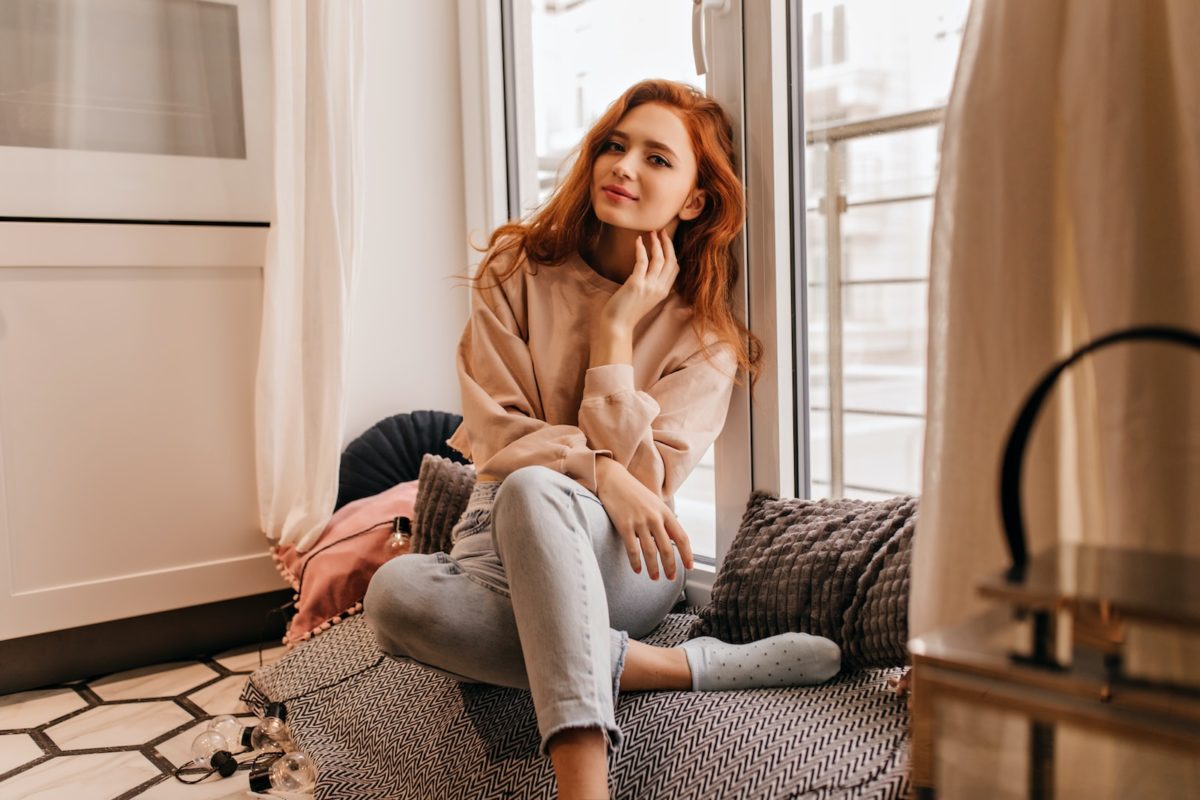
[[392, 605], [525, 484], [522, 496]]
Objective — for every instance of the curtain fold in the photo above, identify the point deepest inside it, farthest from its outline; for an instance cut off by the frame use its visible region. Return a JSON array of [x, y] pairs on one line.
[[312, 248], [1066, 208]]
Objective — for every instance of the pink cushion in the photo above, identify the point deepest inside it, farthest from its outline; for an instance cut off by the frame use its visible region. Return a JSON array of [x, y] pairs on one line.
[[331, 577]]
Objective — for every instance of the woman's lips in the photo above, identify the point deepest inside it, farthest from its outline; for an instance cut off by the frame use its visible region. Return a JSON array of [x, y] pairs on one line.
[[616, 196]]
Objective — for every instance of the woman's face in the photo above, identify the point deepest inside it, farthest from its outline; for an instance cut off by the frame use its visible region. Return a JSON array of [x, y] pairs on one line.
[[644, 178]]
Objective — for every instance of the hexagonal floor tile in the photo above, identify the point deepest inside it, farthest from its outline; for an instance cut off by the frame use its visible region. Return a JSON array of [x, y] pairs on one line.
[[76, 777], [178, 749], [245, 659], [30, 709], [17, 749], [222, 696], [160, 680], [121, 725]]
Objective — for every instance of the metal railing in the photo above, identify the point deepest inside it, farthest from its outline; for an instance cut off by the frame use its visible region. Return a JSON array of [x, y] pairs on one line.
[[833, 205]]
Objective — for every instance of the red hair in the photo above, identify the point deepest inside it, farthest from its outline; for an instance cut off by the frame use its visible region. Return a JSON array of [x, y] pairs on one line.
[[567, 223]]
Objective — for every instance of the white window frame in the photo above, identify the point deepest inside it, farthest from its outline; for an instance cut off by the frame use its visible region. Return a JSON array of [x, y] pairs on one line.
[[748, 64]]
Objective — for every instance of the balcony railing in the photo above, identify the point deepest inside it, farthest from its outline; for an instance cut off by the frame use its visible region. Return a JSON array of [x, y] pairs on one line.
[[833, 205]]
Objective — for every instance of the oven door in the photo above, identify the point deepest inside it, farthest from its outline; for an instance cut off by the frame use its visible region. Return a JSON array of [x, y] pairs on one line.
[[135, 109]]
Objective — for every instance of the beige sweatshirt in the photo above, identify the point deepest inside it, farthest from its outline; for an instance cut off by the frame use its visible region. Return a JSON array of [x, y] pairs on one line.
[[529, 398]]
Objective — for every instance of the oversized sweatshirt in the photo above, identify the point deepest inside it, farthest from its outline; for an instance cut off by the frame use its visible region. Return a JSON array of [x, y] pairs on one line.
[[529, 398]]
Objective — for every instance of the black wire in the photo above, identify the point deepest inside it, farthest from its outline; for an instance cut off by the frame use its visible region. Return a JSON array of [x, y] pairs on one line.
[[300, 582], [307, 561], [192, 768]]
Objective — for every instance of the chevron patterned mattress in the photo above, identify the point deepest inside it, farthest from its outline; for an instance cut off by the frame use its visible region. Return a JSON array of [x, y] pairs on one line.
[[378, 728]]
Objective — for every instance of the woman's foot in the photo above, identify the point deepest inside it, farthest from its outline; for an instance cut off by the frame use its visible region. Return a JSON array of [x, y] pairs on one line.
[[789, 659]]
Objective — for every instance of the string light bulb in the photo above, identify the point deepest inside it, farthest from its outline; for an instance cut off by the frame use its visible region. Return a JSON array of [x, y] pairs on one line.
[[211, 749], [400, 540], [231, 728], [291, 772], [272, 733]]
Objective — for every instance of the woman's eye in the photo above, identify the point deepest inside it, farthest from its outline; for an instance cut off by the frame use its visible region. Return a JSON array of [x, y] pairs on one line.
[[662, 162], [612, 146]]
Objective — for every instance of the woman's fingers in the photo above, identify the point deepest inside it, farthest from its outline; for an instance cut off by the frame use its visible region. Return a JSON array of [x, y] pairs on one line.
[[665, 552], [672, 264], [649, 552], [640, 259], [632, 549], [681, 539], [656, 255]]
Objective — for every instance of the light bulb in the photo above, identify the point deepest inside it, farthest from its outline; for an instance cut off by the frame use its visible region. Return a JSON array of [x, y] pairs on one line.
[[400, 542], [210, 749], [228, 726], [291, 772], [272, 732]]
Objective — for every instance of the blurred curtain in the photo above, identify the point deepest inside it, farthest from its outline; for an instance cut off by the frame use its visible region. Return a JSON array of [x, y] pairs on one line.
[[1067, 208], [312, 249]]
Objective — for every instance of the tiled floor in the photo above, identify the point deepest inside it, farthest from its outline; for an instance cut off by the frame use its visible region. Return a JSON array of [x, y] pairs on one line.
[[121, 736]]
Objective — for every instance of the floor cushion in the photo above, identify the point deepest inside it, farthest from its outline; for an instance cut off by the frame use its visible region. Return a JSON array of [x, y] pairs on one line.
[[381, 728]]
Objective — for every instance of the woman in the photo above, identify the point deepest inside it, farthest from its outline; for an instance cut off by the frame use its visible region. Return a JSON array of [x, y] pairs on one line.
[[596, 369]]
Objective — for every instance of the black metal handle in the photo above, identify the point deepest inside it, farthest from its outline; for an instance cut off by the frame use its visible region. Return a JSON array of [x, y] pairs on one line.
[[1018, 438]]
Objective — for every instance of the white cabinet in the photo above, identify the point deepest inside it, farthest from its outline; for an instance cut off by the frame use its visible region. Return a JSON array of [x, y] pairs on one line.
[[127, 363]]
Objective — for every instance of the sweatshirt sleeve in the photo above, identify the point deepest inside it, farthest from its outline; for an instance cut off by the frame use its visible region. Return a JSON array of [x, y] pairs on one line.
[[659, 434], [503, 426]]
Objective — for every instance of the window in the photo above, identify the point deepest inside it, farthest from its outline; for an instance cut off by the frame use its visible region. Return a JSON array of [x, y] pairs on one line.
[[835, 249], [871, 132]]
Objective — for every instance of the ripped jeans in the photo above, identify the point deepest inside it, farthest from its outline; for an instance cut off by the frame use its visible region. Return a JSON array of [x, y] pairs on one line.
[[537, 593]]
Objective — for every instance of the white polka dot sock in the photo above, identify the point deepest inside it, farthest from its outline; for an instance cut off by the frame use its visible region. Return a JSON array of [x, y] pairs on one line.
[[789, 659]]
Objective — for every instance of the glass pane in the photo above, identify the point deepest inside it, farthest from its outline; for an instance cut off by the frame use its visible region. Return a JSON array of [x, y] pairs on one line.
[[883, 453], [137, 76], [888, 241], [818, 446], [878, 56], [883, 353], [694, 506], [817, 300], [586, 53], [882, 166], [866, 494], [872, 60]]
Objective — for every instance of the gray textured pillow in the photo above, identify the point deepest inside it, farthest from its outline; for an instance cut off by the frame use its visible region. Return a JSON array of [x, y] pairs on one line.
[[834, 568], [442, 495]]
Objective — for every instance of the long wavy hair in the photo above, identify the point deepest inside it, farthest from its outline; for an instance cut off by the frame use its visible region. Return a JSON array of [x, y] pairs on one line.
[[567, 223]]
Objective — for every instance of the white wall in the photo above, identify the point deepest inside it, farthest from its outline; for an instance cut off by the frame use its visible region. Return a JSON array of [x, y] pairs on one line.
[[408, 310]]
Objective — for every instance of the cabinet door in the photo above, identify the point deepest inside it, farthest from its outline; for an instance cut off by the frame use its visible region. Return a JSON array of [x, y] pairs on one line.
[[135, 109], [127, 363]]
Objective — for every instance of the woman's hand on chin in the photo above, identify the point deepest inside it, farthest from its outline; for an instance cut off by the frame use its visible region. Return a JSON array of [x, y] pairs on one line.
[[653, 277], [643, 520]]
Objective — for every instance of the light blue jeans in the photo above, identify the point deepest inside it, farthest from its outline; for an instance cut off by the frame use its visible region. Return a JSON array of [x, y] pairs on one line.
[[537, 593]]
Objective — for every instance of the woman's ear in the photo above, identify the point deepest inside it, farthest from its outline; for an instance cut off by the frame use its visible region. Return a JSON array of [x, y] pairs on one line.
[[693, 205]]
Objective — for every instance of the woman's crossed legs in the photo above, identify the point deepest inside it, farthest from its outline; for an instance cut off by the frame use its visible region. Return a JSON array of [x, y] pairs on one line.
[[536, 593]]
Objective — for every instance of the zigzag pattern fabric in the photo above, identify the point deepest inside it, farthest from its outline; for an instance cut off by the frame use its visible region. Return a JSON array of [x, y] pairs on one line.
[[379, 728]]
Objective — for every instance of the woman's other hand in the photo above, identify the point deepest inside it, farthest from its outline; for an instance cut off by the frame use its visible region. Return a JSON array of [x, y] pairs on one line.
[[643, 520], [653, 277]]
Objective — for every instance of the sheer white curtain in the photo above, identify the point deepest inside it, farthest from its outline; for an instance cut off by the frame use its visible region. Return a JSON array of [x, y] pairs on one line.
[[312, 248], [1067, 208]]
